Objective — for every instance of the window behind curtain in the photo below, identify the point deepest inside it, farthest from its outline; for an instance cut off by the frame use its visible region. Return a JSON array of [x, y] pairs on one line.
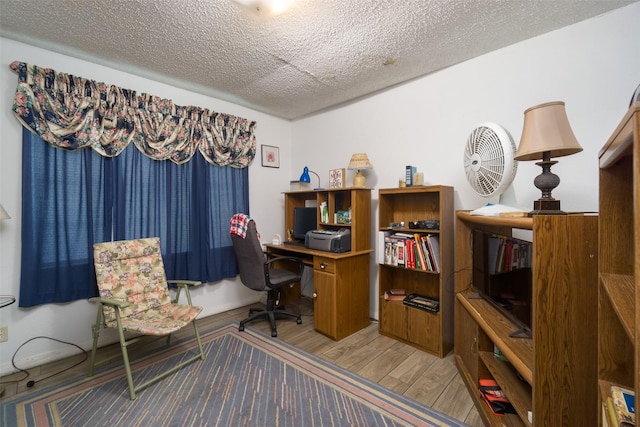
[[72, 199]]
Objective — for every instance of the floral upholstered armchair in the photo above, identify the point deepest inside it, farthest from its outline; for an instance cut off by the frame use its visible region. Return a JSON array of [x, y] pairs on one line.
[[134, 297]]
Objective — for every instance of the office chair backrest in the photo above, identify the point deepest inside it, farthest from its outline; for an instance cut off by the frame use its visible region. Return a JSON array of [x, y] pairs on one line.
[[250, 258], [131, 271]]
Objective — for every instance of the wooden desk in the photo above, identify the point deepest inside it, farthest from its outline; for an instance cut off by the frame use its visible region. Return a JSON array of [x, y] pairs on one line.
[[341, 287]]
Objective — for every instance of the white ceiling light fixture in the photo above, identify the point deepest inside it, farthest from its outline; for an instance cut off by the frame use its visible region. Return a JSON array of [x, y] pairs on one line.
[[273, 6]]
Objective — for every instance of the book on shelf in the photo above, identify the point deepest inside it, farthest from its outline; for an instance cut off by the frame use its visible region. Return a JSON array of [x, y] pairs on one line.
[[395, 295], [410, 171], [615, 419], [420, 260], [495, 398], [414, 251], [618, 405], [401, 252], [422, 302], [410, 253], [623, 405], [380, 253], [390, 251], [403, 235], [425, 253], [394, 250], [434, 250]]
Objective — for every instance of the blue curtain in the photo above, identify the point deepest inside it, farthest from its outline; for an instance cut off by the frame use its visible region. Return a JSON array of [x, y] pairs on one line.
[[188, 206], [72, 199]]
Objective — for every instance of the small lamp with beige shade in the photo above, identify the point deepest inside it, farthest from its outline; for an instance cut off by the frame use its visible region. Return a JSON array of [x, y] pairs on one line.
[[359, 162]]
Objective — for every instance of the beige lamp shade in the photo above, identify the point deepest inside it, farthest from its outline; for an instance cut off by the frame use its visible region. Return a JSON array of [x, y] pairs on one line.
[[546, 129], [359, 162]]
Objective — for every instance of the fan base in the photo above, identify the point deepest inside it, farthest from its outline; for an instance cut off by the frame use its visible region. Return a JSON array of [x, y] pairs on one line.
[[546, 207]]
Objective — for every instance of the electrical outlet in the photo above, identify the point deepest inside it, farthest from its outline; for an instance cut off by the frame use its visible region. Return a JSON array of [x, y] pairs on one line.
[[4, 333]]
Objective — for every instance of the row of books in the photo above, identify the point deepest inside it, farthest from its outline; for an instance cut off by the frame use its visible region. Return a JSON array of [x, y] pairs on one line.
[[416, 251], [507, 254], [495, 398], [618, 408], [413, 300]]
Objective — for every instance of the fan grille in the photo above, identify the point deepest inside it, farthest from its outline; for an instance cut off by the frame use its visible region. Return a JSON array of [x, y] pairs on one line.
[[488, 159]]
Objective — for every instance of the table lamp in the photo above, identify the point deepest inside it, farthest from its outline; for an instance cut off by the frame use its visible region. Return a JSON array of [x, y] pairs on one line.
[[546, 133], [359, 162], [307, 179]]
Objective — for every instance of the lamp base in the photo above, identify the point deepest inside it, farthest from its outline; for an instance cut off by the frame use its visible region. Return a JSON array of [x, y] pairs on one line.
[[359, 180], [546, 207], [546, 182]]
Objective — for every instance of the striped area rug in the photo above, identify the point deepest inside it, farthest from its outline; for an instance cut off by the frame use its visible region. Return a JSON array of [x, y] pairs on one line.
[[247, 379]]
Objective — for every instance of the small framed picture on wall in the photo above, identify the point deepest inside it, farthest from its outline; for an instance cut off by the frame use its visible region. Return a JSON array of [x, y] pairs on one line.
[[336, 178], [270, 156]]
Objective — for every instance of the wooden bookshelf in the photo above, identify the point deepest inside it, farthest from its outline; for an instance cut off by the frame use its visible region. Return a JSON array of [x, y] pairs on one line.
[[428, 331], [619, 257]]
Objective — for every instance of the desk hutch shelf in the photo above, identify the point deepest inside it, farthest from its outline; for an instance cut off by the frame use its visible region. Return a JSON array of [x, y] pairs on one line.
[[358, 200]]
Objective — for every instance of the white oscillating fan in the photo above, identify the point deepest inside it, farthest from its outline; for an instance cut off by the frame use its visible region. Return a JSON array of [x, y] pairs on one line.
[[488, 160]]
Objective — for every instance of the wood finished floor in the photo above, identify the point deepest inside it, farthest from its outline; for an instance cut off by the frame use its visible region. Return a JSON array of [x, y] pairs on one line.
[[427, 379]]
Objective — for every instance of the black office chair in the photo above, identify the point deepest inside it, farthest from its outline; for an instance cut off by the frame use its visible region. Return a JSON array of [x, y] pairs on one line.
[[259, 273]]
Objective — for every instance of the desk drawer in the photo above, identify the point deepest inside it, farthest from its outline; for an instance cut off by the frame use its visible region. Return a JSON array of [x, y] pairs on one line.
[[324, 264]]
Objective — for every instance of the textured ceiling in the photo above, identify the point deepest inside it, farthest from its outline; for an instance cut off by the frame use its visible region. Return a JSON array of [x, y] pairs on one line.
[[316, 55]]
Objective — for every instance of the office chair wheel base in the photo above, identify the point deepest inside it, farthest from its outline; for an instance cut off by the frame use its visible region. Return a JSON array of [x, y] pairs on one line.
[[241, 327], [299, 321], [274, 334]]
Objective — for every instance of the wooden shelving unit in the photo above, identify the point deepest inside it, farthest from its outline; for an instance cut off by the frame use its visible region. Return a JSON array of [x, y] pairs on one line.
[[431, 332], [551, 377], [619, 257]]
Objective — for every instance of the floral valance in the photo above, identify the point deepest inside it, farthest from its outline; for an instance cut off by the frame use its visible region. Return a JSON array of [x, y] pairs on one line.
[[71, 112]]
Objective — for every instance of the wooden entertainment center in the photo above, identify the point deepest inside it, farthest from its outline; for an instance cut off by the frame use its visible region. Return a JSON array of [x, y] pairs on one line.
[[550, 378]]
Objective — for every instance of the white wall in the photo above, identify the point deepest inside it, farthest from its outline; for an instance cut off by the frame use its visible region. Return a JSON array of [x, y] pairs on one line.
[[71, 322], [593, 66]]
